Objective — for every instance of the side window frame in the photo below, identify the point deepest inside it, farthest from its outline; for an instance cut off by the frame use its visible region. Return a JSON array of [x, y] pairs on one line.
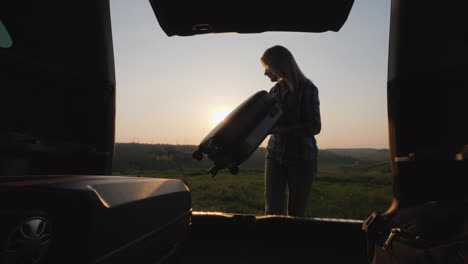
[[5, 38]]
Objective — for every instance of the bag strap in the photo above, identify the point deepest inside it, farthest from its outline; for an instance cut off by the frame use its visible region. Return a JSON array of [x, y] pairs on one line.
[[372, 227]]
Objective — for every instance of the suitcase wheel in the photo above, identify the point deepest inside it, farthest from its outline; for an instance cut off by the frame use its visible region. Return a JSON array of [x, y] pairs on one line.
[[213, 171], [198, 155], [234, 170]]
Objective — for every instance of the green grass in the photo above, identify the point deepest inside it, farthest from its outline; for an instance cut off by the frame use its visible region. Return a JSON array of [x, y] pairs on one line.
[[335, 194]]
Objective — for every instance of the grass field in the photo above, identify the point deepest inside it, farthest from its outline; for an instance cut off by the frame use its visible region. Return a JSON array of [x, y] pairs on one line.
[[335, 194]]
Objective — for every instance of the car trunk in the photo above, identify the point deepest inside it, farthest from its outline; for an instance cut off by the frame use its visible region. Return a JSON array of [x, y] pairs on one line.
[[243, 238]]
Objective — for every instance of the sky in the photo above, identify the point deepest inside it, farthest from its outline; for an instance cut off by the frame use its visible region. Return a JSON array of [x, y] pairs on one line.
[[170, 89]]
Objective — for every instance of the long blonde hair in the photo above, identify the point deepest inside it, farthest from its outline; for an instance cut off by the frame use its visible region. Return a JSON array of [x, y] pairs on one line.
[[280, 61]]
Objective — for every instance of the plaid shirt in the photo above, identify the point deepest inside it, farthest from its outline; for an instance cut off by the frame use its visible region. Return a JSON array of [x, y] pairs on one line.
[[301, 114]]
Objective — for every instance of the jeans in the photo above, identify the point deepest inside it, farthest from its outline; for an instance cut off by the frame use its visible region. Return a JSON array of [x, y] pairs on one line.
[[297, 177]]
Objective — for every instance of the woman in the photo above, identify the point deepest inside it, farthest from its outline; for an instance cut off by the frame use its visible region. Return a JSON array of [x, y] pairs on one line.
[[291, 159]]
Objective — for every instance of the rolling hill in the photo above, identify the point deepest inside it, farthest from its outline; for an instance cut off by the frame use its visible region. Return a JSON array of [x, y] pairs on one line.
[[156, 157]]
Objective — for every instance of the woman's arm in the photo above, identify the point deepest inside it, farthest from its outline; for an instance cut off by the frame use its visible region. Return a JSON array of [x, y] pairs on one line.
[[310, 123], [280, 130]]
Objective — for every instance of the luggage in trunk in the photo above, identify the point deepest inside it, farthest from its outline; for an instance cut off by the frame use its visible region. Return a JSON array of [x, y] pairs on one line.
[[253, 239], [433, 232], [234, 140], [91, 219]]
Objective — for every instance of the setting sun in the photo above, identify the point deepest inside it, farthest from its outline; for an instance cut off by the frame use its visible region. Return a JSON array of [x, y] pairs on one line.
[[218, 115]]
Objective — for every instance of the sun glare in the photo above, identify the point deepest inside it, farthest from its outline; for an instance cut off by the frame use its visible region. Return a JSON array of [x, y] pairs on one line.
[[218, 115]]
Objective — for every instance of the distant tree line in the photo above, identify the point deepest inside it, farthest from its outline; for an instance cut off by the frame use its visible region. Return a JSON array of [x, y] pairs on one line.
[[130, 157]]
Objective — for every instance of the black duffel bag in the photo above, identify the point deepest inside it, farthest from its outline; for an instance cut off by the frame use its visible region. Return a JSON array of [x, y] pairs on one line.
[[431, 233]]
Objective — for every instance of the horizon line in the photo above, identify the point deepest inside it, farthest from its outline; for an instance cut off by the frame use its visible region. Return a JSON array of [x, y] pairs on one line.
[[194, 145]]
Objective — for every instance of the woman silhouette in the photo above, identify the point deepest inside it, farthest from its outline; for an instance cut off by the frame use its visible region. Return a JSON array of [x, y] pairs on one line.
[[291, 159]]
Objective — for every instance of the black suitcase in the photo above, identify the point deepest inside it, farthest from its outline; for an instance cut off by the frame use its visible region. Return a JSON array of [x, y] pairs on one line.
[[92, 219], [234, 140]]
